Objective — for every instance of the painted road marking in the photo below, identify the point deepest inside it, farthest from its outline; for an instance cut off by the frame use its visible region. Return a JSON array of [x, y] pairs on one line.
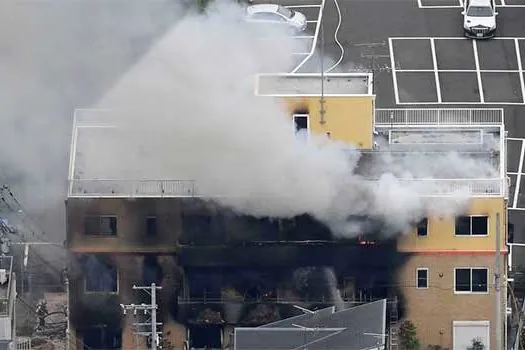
[[478, 73], [518, 178], [436, 71], [315, 36]]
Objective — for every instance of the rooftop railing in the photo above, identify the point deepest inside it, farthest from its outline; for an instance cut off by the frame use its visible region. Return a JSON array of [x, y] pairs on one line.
[[439, 116], [187, 188], [132, 188]]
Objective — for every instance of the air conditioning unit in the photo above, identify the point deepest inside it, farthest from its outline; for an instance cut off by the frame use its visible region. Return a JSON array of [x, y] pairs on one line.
[[3, 276]]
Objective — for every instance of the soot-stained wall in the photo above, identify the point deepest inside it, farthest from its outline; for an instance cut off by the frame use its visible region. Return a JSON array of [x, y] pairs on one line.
[[97, 304]]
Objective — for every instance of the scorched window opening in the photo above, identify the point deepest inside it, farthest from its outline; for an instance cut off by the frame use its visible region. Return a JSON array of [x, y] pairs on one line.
[[102, 225], [151, 226], [422, 228]]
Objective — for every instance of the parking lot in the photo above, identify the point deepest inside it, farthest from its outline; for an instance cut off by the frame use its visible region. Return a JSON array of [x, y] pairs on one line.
[[444, 4], [458, 70], [307, 40], [420, 58]]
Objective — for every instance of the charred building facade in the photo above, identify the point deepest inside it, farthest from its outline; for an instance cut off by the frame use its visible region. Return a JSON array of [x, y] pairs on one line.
[[220, 270]]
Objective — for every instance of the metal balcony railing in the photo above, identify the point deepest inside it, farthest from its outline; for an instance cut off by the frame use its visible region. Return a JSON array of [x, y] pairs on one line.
[[132, 188], [439, 116], [187, 188]]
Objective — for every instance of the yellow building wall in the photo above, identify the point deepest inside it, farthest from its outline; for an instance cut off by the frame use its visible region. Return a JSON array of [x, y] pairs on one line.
[[433, 309], [347, 118], [441, 231]]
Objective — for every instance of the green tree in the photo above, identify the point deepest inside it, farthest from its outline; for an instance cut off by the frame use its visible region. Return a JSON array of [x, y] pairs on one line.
[[477, 344], [408, 336]]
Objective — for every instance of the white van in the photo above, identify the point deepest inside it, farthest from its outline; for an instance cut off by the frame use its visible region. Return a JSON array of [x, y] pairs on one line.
[[479, 19]]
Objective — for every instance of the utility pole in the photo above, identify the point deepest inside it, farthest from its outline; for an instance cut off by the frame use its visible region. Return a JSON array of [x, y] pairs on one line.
[[497, 284], [147, 308], [68, 327]]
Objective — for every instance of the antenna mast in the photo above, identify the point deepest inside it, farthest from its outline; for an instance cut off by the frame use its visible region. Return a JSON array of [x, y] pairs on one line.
[[322, 109]]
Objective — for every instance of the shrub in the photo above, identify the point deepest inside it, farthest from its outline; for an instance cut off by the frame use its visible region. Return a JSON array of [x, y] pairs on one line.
[[408, 336]]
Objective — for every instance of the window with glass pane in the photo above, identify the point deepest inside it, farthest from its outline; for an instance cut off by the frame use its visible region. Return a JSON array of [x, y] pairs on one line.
[[422, 278], [479, 280], [463, 278], [463, 226]]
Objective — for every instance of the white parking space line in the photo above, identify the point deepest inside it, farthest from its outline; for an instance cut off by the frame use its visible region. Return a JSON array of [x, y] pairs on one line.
[[436, 73], [393, 69], [520, 67], [303, 37], [312, 21], [458, 70], [451, 37], [440, 6], [476, 59], [515, 139], [303, 6], [461, 4], [315, 36], [518, 178]]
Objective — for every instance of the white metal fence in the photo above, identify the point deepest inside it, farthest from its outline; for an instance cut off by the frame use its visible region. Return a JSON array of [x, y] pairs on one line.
[[187, 188], [439, 116], [22, 343], [131, 188]]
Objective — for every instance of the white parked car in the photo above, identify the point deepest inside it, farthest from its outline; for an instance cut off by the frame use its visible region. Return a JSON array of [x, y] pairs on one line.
[[479, 19], [271, 13]]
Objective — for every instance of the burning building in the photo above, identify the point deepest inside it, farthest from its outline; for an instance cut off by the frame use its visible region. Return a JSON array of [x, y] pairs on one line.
[[415, 222]]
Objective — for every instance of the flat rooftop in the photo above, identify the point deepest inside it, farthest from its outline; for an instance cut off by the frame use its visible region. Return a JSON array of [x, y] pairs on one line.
[[401, 136], [311, 84]]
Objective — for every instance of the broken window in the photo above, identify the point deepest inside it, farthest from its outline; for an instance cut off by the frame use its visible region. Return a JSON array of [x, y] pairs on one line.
[[472, 226], [422, 278], [151, 226], [100, 277], [471, 280], [422, 228], [301, 125], [100, 225], [101, 337]]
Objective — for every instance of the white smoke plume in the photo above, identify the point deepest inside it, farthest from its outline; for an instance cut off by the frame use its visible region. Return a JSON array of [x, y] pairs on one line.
[[58, 55], [188, 111]]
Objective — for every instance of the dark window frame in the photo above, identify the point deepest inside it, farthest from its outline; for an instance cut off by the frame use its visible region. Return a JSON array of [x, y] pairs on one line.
[[422, 279], [482, 288], [112, 225], [295, 127], [460, 224], [110, 268], [152, 226], [422, 228]]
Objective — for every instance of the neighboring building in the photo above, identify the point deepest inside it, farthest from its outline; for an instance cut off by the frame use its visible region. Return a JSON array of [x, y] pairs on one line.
[[360, 327], [7, 303], [220, 270]]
